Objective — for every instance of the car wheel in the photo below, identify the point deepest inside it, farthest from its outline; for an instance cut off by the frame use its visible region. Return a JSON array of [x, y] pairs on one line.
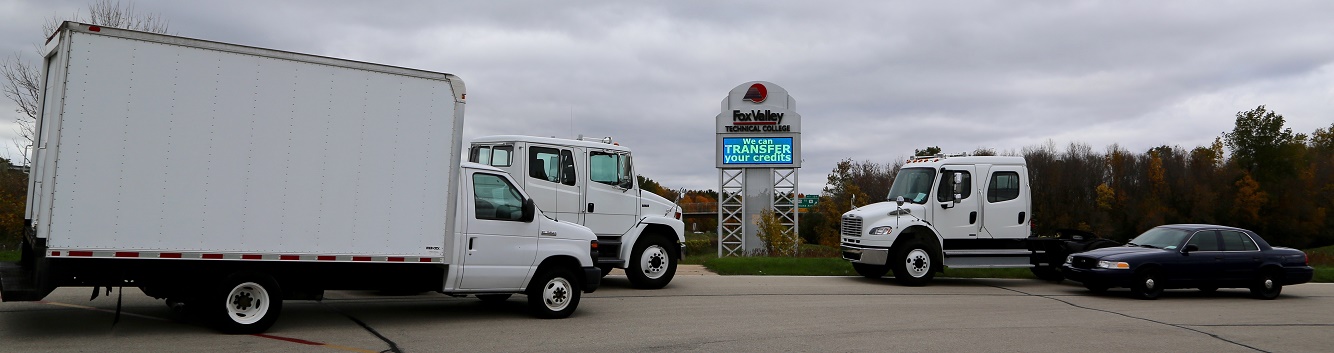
[[652, 264], [1147, 286], [869, 270], [1095, 288], [914, 265], [553, 294], [1267, 286]]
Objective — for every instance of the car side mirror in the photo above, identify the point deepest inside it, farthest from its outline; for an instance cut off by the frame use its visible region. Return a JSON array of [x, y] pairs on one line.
[[529, 211], [1190, 248]]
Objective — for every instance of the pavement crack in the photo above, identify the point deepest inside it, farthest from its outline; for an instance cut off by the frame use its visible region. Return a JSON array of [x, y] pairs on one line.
[[1183, 327], [393, 347]]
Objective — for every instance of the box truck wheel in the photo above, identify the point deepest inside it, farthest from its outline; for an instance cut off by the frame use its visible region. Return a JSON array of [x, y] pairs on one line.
[[914, 265], [652, 265], [869, 270], [554, 293], [243, 304]]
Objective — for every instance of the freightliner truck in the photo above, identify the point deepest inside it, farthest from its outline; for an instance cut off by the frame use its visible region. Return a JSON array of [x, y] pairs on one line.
[[228, 179], [593, 183], [955, 211]]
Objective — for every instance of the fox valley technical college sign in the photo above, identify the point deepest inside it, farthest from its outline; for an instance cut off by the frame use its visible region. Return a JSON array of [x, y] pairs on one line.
[[758, 128]]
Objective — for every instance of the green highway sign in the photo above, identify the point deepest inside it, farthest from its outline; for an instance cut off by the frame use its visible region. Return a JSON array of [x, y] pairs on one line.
[[807, 201]]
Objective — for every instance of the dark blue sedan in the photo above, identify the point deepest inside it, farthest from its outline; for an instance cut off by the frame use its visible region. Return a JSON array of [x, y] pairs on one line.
[[1201, 256]]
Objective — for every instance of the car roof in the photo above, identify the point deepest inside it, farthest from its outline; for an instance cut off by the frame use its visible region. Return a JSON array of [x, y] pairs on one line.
[[1197, 226]]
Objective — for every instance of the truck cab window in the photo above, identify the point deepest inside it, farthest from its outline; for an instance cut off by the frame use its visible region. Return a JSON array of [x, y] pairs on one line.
[[495, 198], [943, 193], [914, 184], [1004, 186], [545, 164], [498, 156], [610, 168]]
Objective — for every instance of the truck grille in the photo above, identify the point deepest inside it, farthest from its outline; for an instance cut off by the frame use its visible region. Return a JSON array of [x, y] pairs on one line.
[[851, 226]]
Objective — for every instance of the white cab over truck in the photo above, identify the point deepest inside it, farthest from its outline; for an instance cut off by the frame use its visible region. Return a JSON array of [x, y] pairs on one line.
[[957, 211], [230, 178], [593, 183]]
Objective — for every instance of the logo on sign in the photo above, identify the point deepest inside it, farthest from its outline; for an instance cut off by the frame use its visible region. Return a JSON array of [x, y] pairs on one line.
[[756, 94]]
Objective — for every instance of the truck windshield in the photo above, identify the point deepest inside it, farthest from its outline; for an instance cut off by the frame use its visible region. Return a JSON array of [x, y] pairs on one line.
[[1162, 238], [914, 184]]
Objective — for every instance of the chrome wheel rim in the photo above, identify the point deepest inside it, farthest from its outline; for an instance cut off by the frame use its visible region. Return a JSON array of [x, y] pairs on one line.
[[653, 262], [556, 294]]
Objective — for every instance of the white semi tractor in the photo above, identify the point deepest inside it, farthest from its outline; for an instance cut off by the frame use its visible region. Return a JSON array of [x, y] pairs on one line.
[[231, 178], [955, 211], [593, 183]]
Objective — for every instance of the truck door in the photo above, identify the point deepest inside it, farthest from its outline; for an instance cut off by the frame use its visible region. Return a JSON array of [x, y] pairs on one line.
[[499, 249], [553, 181], [612, 206], [1005, 203], [961, 221]]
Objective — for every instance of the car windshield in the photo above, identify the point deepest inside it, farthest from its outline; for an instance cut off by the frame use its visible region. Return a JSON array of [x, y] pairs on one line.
[[1164, 238], [914, 184]]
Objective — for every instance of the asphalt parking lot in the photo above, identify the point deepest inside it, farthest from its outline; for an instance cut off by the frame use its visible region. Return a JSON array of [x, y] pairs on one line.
[[716, 313]]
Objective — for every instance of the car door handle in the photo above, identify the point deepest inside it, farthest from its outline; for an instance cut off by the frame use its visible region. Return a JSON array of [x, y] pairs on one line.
[[549, 233]]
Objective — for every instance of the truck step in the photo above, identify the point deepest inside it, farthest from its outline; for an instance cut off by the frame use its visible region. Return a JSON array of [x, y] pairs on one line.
[[16, 284], [609, 249]]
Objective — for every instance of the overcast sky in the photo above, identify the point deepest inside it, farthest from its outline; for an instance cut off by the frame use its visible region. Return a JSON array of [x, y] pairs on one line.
[[873, 80]]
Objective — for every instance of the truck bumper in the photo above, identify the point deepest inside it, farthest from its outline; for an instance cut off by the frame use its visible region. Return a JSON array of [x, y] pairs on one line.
[[865, 255], [592, 279]]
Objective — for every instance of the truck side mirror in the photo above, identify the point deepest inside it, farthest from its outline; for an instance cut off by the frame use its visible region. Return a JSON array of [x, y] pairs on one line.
[[899, 201], [529, 211]]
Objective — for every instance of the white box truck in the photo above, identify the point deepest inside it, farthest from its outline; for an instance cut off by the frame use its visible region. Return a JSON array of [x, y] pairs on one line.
[[593, 183], [958, 211], [230, 178]]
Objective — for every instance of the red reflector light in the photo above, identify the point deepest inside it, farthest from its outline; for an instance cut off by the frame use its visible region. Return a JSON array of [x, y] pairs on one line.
[[95, 28]]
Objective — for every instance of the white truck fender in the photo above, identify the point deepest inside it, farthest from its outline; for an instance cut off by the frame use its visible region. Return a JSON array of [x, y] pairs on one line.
[[629, 239]]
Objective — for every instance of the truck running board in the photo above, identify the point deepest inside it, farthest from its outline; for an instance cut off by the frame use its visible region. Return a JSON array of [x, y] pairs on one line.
[[988, 258]]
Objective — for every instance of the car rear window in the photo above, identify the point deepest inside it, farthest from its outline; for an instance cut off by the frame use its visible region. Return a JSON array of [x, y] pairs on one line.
[[1238, 241]]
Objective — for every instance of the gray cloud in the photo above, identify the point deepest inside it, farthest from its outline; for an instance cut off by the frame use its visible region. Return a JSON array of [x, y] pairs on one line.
[[873, 79]]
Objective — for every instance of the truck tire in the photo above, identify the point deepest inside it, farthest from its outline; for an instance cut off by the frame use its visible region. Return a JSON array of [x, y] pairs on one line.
[[652, 264], [1048, 273], [554, 294], [243, 304], [1267, 286], [870, 271], [913, 264]]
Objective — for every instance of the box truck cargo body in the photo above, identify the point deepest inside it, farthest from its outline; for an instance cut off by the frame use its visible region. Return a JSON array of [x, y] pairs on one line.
[[193, 169]]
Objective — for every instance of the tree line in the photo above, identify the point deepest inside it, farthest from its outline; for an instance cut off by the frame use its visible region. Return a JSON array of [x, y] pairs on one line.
[[1260, 176]]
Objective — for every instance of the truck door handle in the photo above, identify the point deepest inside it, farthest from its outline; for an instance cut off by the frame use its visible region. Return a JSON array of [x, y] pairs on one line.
[[590, 207], [972, 217], [549, 233], [1021, 217], [470, 242]]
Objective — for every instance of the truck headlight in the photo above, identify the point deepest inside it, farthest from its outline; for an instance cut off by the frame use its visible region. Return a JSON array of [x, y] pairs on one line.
[[1113, 265], [882, 230]]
